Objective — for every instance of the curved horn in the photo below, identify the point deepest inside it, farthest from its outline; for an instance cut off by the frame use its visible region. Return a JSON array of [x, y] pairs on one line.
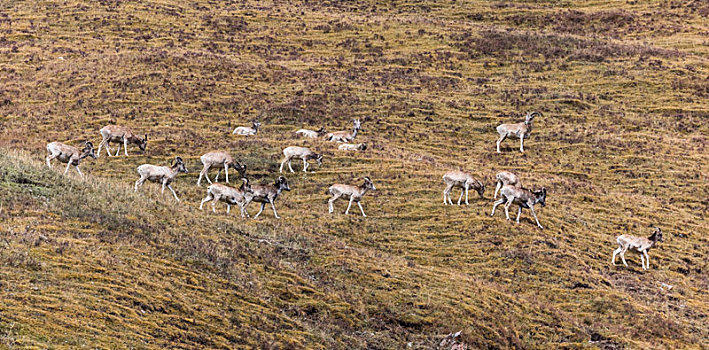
[[146, 137], [535, 112], [179, 159]]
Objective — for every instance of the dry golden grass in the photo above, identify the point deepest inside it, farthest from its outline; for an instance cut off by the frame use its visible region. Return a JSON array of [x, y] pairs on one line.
[[622, 146]]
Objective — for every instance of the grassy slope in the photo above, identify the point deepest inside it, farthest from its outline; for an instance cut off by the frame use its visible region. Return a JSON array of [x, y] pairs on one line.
[[622, 145]]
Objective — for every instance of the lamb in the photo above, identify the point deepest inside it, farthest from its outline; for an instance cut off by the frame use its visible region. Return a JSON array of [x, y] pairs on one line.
[[354, 192], [122, 135], [303, 153], [311, 133], [266, 194], [463, 180], [228, 195], [162, 174], [638, 244], [218, 158], [344, 136], [69, 154], [247, 131], [506, 178], [519, 130], [352, 147], [524, 198]]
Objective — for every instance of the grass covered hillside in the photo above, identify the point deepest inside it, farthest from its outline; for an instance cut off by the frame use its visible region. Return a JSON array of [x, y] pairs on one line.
[[622, 145]]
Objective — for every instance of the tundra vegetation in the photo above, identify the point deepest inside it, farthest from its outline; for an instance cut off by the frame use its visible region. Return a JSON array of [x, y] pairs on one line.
[[622, 86]]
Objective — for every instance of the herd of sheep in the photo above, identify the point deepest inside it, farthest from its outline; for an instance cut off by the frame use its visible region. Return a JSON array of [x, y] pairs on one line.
[[508, 185]]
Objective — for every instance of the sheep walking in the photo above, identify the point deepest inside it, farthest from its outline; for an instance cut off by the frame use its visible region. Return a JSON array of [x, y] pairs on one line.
[[228, 195], [524, 198], [640, 245], [266, 194], [219, 159], [161, 174], [506, 178], [355, 193], [303, 153], [69, 155]]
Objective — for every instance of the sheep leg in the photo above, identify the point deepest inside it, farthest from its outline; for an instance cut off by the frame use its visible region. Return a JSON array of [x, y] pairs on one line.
[[289, 166], [531, 207], [349, 205], [615, 252], [642, 261], [521, 143], [49, 158], [519, 213], [497, 189], [216, 178], [173, 192], [108, 149], [283, 163], [360, 208], [202, 173], [273, 206], [125, 146], [228, 208], [467, 187], [242, 209], [498, 202], [647, 259], [226, 172], [263, 205], [215, 199], [139, 183], [502, 138], [119, 149], [305, 165], [164, 182], [462, 191], [206, 199], [622, 256], [78, 171], [507, 207], [446, 194], [330, 203], [68, 164], [103, 142]]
